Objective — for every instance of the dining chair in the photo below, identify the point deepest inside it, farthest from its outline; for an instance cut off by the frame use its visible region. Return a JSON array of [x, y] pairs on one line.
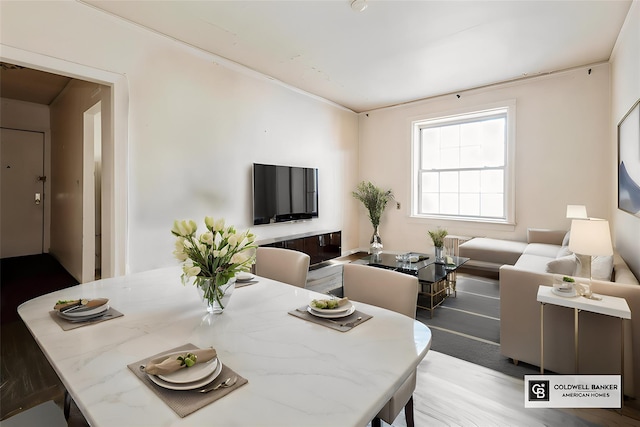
[[283, 265], [397, 292]]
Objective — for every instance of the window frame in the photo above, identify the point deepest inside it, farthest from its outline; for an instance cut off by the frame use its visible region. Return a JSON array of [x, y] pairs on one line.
[[467, 115]]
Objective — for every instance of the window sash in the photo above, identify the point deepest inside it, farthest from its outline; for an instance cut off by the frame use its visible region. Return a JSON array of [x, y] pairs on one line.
[[459, 197]]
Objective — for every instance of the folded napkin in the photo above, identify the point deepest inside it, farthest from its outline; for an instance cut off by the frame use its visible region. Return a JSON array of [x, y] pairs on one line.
[[329, 303], [175, 362]]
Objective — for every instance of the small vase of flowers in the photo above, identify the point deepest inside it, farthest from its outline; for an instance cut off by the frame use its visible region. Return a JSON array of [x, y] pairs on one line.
[[213, 258], [437, 237]]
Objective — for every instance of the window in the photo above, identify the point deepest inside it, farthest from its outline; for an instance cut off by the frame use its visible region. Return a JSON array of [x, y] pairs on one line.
[[462, 166]]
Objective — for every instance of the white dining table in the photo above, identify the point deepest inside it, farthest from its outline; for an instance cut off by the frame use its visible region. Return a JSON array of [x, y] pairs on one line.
[[299, 373]]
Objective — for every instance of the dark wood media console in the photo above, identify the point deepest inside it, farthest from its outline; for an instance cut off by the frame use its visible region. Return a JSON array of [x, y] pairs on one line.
[[320, 246]]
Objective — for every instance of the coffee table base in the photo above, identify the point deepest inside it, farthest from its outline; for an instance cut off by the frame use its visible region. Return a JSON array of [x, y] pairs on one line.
[[431, 295]]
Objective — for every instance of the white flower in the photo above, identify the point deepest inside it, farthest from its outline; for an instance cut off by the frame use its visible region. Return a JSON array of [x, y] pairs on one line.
[[239, 258], [180, 255], [224, 251], [218, 225], [191, 270], [184, 228], [233, 240], [217, 239], [209, 222], [207, 238]]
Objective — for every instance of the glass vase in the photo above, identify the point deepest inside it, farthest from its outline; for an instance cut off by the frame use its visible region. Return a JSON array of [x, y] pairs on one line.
[[376, 242], [215, 293], [439, 254]]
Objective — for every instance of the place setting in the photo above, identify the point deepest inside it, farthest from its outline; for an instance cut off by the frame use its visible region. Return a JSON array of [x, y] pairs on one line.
[[187, 378], [72, 314], [336, 313], [245, 278]]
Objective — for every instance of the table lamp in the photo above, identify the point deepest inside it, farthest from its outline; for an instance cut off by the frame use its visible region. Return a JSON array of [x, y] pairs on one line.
[[577, 212], [589, 237]]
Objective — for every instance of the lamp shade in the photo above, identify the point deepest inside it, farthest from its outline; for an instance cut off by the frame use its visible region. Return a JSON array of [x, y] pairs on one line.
[[590, 237], [577, 211]]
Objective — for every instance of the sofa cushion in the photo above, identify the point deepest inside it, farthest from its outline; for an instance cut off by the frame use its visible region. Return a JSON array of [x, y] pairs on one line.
[[492, 250], [564, 251], [535, 263], [602, 267], [542, 249], [566, 265], [543, 235]]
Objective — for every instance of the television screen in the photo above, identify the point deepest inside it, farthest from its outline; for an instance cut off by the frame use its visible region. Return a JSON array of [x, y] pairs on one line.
[[284, 193]]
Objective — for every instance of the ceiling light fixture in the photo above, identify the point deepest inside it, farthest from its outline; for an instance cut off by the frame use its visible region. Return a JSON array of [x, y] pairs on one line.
[[359, 5]]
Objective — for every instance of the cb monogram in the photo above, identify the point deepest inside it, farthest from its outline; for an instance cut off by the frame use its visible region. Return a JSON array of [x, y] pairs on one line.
[[539, 391]]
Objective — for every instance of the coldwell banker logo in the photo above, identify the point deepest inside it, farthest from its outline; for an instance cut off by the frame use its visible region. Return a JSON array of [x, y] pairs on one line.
[[538, 390], [572, 391]]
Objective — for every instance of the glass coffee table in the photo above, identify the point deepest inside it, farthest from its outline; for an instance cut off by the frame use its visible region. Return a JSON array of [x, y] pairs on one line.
[[436, 278]]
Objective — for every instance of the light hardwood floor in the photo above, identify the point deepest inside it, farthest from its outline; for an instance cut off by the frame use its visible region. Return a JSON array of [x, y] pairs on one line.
[[453, 392]]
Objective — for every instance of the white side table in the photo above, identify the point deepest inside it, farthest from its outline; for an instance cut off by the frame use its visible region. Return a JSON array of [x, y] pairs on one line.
[[609, 306]]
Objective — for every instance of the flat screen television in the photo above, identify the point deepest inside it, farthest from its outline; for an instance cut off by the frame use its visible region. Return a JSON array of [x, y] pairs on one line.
[[284, 193]]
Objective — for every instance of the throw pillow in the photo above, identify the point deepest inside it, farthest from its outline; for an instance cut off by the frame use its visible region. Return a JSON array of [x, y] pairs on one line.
[[565, 241], [563, 252], [565, 265], [602, 267]]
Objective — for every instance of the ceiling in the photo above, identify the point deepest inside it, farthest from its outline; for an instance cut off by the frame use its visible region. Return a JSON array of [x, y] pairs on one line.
[[29, 85], [394, 51]]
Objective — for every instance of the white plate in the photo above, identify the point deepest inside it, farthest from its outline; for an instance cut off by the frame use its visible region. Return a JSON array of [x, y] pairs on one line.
[[342, 309], [332, 315], [191, 374], [572, 293], [244, 277], [188, 386], [73, 315]]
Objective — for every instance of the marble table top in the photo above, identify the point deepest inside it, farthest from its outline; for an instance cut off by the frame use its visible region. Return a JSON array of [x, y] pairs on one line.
[[299, 372]]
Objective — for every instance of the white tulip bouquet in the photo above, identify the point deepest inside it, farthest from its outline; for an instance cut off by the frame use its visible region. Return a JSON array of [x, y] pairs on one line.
[[215, 256]]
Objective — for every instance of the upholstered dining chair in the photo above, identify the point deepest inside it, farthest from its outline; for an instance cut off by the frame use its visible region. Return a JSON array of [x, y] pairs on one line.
[[394, 291], [283, 265]]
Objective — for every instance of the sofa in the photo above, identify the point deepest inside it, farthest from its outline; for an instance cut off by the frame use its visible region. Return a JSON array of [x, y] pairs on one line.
[[543, 260]]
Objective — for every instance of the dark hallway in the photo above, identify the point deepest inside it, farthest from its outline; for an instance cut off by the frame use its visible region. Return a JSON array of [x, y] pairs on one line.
[[27, 379]]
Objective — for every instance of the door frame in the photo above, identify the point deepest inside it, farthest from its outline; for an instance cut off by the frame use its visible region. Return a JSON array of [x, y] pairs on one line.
[[115, 155]]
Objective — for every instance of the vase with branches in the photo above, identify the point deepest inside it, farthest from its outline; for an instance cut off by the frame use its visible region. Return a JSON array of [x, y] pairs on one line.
[[375, 200], [437, 237]]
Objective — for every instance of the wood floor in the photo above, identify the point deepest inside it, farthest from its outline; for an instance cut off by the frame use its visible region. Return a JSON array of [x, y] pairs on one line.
[[453, 392]]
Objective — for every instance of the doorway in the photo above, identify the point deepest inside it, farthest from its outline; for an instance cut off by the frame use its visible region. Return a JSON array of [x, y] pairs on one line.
[[22, 193], [114, 162]]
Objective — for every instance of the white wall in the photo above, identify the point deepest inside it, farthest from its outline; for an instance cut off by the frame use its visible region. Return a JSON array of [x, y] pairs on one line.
[[562, 155], [196, 124], [625, 91], [32, 117]]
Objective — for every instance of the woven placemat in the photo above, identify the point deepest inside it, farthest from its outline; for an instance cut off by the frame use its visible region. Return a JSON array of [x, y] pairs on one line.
[[342, 324], [67, 325], [185, 402]]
